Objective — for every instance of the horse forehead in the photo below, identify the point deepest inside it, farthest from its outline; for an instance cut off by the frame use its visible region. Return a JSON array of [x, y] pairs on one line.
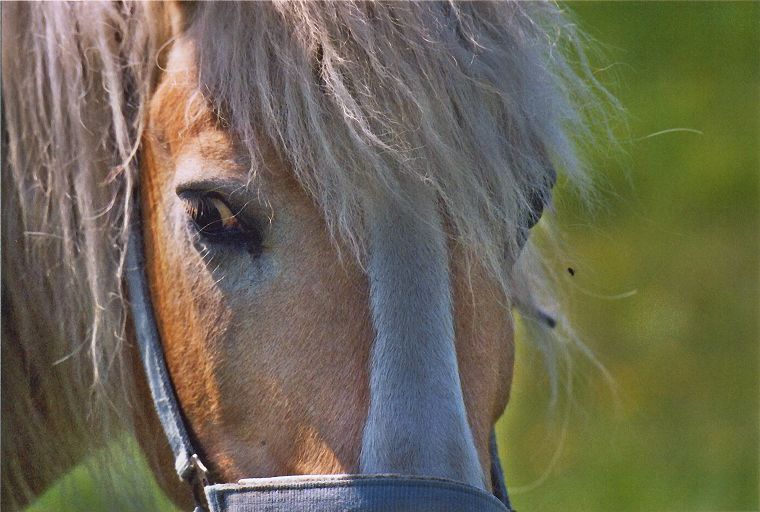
[[178, 111], [182, 121]]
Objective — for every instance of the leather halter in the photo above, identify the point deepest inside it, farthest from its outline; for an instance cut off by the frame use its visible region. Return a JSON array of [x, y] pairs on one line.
[[309, 493]]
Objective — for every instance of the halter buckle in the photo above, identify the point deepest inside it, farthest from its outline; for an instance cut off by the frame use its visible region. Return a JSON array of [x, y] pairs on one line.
[[195, 473], [194, 469]]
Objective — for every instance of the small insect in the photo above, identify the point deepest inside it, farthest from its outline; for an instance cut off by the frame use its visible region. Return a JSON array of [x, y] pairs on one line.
[[571, 271]]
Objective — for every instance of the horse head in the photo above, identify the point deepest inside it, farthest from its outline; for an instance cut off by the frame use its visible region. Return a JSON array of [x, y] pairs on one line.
[[334, 201]]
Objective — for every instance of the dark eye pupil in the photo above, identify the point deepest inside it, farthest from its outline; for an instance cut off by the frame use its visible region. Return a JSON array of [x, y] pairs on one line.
[[217, 223], [207, 217]]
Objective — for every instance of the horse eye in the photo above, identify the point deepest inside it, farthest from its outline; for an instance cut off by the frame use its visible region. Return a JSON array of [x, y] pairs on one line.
[[215, 222]]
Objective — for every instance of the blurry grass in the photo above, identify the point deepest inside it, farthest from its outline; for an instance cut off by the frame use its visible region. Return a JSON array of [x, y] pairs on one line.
[[89, 488], [681, 228]]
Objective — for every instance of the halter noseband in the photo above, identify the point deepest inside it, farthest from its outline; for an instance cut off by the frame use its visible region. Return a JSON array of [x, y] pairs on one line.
[[308, 493]]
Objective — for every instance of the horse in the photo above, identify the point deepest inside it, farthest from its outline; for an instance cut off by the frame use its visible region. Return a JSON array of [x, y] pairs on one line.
[[335, 201]]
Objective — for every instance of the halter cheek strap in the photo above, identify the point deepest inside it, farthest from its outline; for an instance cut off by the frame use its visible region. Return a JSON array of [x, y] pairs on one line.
[[187, 464], [311, 493]]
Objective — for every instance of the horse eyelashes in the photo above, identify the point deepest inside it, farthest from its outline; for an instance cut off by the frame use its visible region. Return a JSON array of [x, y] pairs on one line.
[[215, 222], [210, 215]]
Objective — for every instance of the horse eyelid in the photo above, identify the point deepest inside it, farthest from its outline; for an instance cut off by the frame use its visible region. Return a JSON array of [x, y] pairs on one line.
[[247, 233]]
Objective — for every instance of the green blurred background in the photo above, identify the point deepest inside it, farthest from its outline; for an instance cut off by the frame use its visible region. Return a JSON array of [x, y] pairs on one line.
[[679, 227], [665, 291]]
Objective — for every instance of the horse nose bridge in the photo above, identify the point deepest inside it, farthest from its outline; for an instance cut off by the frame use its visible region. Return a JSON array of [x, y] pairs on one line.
[[417, 422]]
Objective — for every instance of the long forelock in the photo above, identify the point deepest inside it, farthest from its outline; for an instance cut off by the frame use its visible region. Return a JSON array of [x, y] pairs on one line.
[[478, 101], [481, 102]]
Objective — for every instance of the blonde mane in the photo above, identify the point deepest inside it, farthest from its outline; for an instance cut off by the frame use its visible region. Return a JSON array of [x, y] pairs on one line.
[[480, 102], [75, 80]]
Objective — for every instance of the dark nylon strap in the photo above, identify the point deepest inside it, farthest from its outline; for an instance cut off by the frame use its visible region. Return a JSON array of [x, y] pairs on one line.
[[186, 462], [349, 493], [309, 494]]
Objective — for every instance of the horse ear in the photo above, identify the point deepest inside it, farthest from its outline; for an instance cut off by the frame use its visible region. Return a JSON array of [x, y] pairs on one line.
[[538, 194]]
